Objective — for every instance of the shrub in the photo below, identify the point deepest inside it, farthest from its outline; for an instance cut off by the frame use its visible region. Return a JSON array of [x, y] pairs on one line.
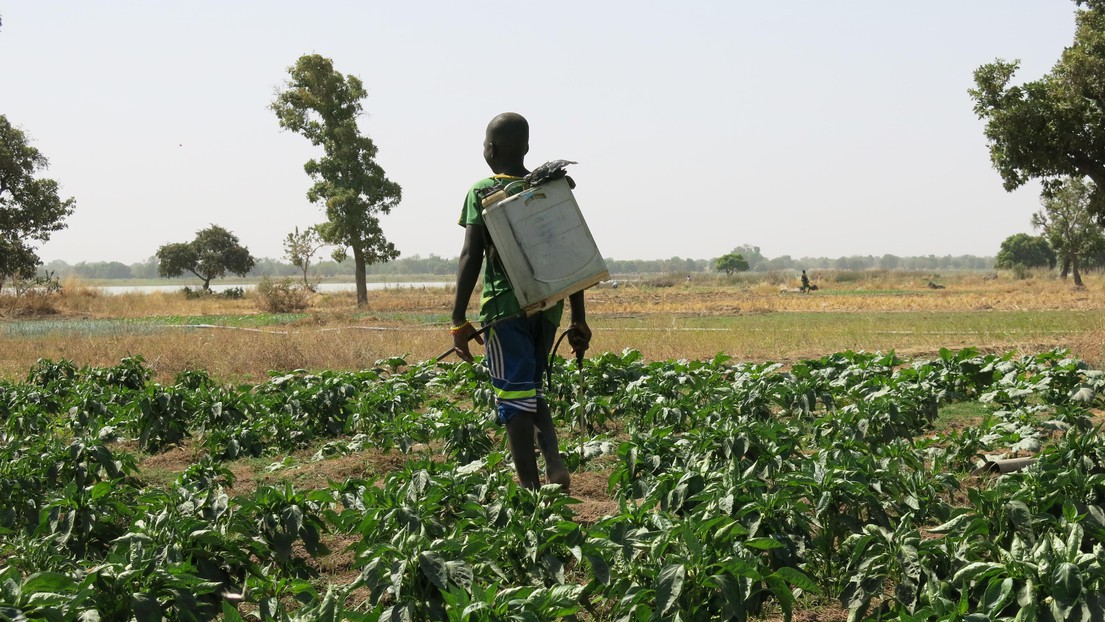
[[1021, 272], [282, 296], [231, 293], [32, 297]]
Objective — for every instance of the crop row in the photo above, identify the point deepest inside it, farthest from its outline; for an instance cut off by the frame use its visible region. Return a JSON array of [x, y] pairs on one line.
[[738, 486]]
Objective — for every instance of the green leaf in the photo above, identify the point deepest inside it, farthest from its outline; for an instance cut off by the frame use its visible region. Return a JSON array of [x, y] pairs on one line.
[[973, 571], [293, 519], [1021, 517], [1083, 395], [1074, 540], [145, 607], [460, 573], [600, 568], [1066, 585], [433, 567], [797, 578], [998, 594], [101, 489], [782, 594], [1027, 613], [397, 613], [763, 544], [1027, 594], [230, 613], [669, 585], [953, 524], [52, 582]]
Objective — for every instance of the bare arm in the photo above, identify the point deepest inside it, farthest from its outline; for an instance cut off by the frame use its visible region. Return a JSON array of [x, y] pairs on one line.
[[468, 272]]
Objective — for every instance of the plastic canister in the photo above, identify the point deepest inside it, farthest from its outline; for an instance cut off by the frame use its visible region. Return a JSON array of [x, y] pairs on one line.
[[544, 244]]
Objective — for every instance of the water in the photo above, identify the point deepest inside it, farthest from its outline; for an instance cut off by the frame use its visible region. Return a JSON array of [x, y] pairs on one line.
[[321, 287]]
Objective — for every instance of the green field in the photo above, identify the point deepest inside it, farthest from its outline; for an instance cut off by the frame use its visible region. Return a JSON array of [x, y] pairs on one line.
[[846, 485]]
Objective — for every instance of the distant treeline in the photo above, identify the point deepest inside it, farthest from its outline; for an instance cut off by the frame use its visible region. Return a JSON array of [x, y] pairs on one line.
[[446, 267]]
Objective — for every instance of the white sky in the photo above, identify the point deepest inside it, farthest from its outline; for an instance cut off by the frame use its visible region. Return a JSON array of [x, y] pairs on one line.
[[807, 128]]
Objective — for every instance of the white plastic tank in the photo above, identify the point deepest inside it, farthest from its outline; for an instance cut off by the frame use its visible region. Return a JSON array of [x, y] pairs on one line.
[[544, 244]]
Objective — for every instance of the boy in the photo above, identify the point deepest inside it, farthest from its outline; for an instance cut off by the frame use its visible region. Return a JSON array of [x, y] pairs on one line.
[[517, 348]]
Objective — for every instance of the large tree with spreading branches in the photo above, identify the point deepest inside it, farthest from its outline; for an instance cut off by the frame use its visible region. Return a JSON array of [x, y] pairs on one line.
[[1054, 127], [730, 263], [212, 254], [323, 105], [30, 207]]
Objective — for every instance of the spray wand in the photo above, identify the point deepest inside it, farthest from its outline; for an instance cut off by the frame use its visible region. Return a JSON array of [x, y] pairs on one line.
[[579, 400], [582, 386]]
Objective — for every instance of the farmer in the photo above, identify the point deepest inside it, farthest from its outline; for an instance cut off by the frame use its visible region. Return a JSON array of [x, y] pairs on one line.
[[517, 347], [805, 283]]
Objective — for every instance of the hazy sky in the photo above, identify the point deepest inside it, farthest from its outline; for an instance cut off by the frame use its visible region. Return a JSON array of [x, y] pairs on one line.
[[807, 128]]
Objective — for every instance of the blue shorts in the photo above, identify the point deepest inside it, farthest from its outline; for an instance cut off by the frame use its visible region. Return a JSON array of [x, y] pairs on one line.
[[517, 355]]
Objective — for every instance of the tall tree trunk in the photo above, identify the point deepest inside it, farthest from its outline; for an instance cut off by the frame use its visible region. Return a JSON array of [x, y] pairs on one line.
[[1077, 275], [359, 273], [1065, 269]]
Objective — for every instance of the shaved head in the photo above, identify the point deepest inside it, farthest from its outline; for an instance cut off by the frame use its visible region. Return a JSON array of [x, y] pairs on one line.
[[507, 142], [509, 128]]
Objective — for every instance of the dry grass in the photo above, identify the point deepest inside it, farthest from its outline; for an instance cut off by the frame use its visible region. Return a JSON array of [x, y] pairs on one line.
[[754, 321]]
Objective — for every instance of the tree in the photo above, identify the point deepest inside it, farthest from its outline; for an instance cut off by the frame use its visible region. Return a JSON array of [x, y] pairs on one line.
[[213, 253], [323, 105], [751, 254], [1054, 127], [1069, 227], [1028, 251], [30, 208], [733, 262], [300, 249]]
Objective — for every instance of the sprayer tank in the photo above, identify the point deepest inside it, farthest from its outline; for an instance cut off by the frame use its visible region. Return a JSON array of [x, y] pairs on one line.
[[544, 244]]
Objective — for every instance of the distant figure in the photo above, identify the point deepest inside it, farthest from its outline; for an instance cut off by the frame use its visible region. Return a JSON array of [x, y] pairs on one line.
[[805, 289], [935, 285]]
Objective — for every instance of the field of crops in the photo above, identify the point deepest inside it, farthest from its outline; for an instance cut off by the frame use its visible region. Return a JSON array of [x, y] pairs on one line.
[[735, 491]]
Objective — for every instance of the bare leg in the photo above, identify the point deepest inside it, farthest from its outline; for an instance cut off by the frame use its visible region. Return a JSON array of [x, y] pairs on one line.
[[519, 432], [555, 470]]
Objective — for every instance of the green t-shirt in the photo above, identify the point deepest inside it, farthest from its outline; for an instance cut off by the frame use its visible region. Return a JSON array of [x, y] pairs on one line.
[[498, 299]]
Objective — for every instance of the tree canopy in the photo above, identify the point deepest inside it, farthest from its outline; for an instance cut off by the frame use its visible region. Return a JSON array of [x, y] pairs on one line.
[[213, 254], [321, 104], [30, 208], [1024, 250], [730, 263], [1054, 127]]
